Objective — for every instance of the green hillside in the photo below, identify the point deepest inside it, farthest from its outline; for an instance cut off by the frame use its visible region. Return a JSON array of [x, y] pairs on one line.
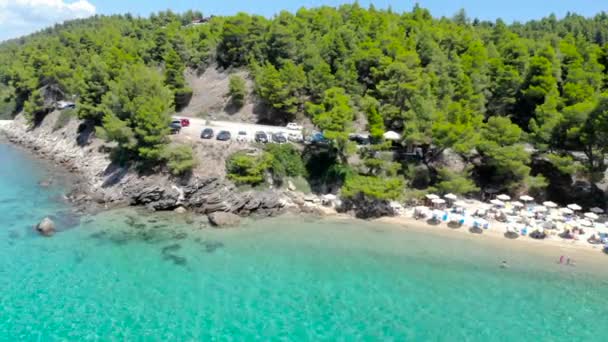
[[493, 93]]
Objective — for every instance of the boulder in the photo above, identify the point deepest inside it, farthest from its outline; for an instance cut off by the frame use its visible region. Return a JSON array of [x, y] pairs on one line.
[[180, 210], [223, 219], [450, 160], [46, 227], [291, 186]]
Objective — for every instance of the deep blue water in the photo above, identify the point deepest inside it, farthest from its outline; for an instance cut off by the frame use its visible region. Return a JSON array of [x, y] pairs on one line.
[[126, 275]]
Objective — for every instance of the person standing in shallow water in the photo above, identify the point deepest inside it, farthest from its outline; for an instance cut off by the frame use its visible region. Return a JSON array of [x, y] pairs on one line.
[[504, 264]]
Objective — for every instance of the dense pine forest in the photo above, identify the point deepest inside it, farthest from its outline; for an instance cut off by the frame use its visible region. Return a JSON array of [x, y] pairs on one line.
[[501, 97]]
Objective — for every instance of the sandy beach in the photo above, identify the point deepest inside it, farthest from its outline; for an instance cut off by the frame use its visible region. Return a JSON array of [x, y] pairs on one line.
[[581, 250]]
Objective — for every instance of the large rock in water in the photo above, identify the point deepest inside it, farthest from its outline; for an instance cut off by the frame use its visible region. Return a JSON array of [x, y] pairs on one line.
[[46, 227], [223, 219]]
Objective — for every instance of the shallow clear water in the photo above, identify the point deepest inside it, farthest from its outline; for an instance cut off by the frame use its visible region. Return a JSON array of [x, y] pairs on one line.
[[125, 275]]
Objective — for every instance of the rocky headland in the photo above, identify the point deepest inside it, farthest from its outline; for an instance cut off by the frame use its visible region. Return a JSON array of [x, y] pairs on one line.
[[99, 183]]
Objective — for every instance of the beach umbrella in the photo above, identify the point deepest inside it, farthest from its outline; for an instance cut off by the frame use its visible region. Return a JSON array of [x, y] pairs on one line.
[[574, 207], [585, 223], [438, 201], [431, 196], [592, 216], [504, 197], [550, 204], [566, 211], [451, 197], [517, 204], [391, 135], [498, 202], [597, 210], [526, 198], [540, 209]]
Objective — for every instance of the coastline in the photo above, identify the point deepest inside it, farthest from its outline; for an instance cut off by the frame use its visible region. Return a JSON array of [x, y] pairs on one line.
[[85, 177]]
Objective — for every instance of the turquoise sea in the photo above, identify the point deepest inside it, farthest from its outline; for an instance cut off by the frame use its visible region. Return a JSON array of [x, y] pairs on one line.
[[130, 276]]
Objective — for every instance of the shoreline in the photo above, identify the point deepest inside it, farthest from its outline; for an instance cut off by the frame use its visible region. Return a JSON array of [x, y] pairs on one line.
[[78, 191]]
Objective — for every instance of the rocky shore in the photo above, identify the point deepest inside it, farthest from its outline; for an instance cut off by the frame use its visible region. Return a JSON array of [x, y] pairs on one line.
[[98, 183]]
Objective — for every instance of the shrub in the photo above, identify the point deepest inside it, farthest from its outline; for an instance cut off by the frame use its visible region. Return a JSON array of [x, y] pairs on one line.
[[286, 161], [179, 158], [385, 188], [247, 169], [237, 90], [451, 182], [182, 98]]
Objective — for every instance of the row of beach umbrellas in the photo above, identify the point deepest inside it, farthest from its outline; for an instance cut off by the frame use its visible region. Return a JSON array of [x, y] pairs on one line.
[[501, 200]]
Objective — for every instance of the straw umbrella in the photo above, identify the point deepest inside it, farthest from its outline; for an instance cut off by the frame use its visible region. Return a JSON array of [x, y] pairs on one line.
[[503, 197], [574, 207], [438, 201], [431, 196]]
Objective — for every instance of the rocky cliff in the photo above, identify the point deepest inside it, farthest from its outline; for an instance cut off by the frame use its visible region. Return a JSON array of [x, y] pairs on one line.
[[98, 181]]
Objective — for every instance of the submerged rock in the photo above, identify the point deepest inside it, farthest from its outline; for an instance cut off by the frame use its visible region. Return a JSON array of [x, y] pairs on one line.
[[180, 210], [46, 227], [223, 219]]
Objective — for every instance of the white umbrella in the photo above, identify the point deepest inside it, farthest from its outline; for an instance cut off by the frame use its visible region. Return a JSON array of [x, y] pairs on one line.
[[566, 211], [526, 198], [460, 204], [574, 207], [550, 204], [438, 201], [431, 196], [451, 197], [504, 197], [540, 209], [497, 202], [592, 216], [391, 135], [585, 223], [329, 197], [597, 210], [517, 204]]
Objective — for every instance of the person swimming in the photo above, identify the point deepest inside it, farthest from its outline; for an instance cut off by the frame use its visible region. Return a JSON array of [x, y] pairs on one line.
[[504, 264]]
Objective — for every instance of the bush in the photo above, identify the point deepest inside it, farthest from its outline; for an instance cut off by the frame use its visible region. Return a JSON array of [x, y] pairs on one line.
[[286, 161], [237, 90], [64, 118], [451, 182], [247, 169], [180, 159], [384, 188]]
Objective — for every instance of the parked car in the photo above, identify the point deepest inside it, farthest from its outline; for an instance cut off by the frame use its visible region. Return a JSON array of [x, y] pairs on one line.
[[279, 138], [317, 139], [261, 137], [207, 133], [360, 139], [65, 105], [175, 126], [242, 136], [185, 122], [223, 136], [295, 137], [294, 126]]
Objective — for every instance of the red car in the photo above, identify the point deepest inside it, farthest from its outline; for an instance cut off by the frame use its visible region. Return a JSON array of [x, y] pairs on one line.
[[185, 122]]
